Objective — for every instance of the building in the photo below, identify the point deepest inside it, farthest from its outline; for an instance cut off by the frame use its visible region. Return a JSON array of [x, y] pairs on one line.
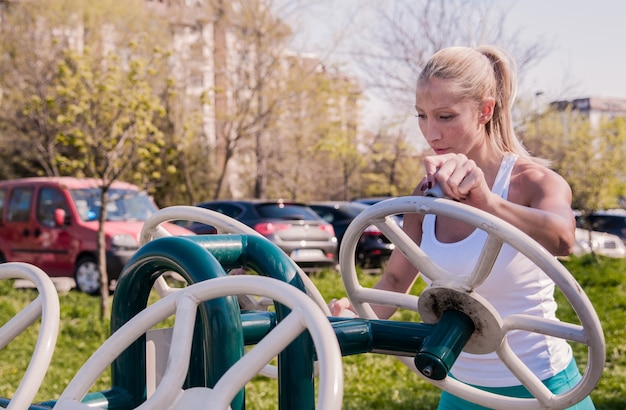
[[594, 108], [242, 73]]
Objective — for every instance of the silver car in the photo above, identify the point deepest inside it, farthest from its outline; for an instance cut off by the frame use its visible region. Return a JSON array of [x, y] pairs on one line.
[[600, 243], [294, 227]]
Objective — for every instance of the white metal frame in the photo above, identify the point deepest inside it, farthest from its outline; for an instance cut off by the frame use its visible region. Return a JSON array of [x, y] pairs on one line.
[[44, 306], [304, 315]]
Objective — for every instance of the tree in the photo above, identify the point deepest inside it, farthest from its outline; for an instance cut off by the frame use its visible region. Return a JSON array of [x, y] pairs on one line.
[[186, 174], [260, 88], [387, 43], [34, 37], [248, 93], [318, 157], [338, 142], [408, 32], [29, 54], [80, 90], [109, 117], [393, 163], [590, 158]]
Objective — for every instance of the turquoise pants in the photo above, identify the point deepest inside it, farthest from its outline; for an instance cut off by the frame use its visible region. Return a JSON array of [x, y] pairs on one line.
[[559, 383]]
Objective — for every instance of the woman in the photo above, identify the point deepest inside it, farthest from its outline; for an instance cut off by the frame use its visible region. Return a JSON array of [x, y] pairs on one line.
[[463, 102]]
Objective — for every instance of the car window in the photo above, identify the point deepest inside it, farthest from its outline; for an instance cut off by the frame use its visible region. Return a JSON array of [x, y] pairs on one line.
[[286, 211], [230, 210], [122, 204], [609, 222], [326, 213], [2, 195], [49, 200], [354, 209], [331, 214], [19, 204], [615, 224]]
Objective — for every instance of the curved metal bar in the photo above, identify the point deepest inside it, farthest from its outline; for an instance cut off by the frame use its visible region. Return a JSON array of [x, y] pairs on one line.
[[195, 264], [152, 230], [46, 306]]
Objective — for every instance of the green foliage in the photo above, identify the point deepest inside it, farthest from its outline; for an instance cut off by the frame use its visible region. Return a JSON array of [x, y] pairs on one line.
[[604, 281], [589, 156], [80, 334], [105, 95], [394, 164], [76, 92], [338, 146], [109, 111]]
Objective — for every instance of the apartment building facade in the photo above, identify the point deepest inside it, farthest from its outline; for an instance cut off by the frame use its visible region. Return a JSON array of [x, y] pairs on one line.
[[593, 108], [213, 60]]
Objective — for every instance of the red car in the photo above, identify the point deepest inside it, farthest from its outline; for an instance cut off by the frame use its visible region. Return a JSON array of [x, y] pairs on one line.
[[52, 223]]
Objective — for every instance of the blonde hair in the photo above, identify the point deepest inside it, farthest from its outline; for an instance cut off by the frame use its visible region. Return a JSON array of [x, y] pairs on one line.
[[479, 73]]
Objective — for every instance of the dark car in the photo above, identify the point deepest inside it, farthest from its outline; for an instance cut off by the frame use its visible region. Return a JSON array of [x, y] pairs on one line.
[[294, 227], [373, 249], [197, 227], [371, 200], [611, 221]]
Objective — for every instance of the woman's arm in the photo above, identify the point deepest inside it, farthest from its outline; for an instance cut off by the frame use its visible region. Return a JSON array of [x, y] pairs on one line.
[[540, 205], [539, 200], [399, 274]]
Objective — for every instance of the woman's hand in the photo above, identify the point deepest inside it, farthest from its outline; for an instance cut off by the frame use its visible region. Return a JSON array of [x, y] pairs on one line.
[[459, 177], [342, 308]]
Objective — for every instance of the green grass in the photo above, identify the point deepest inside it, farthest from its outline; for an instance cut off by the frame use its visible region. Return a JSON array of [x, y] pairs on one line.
[[371, 381], [604, 281]]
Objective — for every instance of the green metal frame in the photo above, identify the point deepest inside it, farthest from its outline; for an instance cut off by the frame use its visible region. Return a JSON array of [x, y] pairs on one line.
[[222, 330]]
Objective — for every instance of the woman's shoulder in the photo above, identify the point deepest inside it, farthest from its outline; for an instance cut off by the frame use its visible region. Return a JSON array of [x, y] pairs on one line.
[[532, 171], [531, 178]]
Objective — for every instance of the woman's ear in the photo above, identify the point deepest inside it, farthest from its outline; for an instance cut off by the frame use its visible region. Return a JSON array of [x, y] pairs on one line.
[[486, 110]]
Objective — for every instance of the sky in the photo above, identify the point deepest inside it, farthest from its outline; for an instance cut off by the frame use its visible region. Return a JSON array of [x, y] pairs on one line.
[[587, 39]]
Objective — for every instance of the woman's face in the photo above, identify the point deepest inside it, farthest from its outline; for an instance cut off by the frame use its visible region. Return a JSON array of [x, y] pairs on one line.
[[449, 122]]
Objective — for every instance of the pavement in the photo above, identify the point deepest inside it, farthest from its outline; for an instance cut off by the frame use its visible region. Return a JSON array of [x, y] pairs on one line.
[[62, 285]]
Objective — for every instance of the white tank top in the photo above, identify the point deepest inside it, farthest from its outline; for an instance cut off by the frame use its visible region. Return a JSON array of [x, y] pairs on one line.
[[514, 286]]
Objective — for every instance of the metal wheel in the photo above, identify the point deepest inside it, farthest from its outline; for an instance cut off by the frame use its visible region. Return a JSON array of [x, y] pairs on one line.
[[450, 291]]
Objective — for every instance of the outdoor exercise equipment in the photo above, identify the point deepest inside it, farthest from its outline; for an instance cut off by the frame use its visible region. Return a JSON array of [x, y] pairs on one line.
[[44, 306], [152, 229], [454, 318], [304, 315]]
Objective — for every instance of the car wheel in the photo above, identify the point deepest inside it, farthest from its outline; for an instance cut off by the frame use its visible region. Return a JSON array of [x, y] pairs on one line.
[[87, 275]]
